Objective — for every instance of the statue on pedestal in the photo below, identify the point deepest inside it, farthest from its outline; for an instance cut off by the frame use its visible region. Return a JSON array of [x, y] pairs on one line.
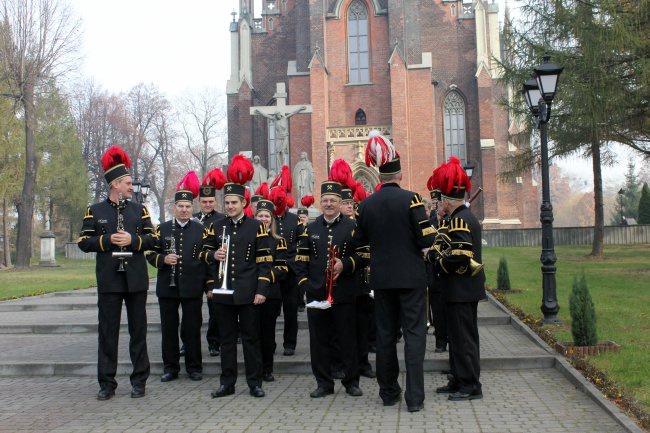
[[303, 177], [259, 176]]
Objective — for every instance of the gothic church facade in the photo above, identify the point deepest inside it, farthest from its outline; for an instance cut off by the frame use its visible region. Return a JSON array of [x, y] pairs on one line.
[[421, 71]]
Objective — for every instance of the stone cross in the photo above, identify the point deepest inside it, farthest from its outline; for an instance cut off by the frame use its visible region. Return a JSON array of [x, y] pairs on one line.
[[279, 114]]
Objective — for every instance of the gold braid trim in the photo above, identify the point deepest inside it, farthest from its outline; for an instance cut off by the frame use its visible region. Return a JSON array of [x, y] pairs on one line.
[[302, 258], [264, 259]]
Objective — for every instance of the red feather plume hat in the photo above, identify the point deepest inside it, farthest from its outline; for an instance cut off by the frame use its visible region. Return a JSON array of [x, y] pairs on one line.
[[307, 200], [432, 186], [359, 193], [263, 191], [290, 201], [283, 179], [342, 173], [214, 180], [452, 180], [188, 188], [116, 164], [240, 171], [381, 153], [279, 198]]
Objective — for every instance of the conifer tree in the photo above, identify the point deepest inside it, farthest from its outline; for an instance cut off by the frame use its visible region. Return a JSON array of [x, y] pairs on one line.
[[503, 276], [644, 205], [583, 314]]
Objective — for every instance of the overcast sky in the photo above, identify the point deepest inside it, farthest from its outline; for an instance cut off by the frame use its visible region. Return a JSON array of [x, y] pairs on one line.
[[185, 45]]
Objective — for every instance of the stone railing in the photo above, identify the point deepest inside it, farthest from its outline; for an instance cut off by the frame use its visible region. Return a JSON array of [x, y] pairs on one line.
[[350, 134]]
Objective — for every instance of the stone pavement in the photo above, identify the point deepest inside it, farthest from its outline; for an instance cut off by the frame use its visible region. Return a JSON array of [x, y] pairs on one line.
[[48, 347]]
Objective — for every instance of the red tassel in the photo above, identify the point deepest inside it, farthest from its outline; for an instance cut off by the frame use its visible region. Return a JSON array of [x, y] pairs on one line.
[[190, 182], [283, 179], [263, 190], [307, 200], [290, 201], [240, 170], [279, 198], [215, 178], [115, 156]]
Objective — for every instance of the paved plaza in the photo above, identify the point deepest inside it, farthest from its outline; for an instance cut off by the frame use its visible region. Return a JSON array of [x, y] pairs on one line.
[[48, 347]]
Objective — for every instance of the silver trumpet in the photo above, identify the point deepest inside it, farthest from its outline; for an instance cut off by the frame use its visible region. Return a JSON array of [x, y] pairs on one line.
[[223, 267], [121, 254], [172, 250]]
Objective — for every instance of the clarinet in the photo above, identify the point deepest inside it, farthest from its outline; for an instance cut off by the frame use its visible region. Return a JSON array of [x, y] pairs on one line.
[[121, 254], [172, 250]]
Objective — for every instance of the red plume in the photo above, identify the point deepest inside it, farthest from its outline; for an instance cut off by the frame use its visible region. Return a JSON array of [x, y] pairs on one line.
[[215, 178], [431, 183], [190, 182], [379, 149], [359, 192], [263, 190], [307, 200], [279, 198], [378, 187], [342, 173], [240, 170], [283, 179], [451, 176], [115, 156], [248, 210], [290, 201]]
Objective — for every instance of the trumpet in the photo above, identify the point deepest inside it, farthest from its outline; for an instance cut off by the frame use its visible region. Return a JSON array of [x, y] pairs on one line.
[[121, 254], [223, 266], [330, 281], [172, 250]]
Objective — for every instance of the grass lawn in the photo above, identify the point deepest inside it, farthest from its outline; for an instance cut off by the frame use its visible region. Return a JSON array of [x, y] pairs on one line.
[[620, 288], [70, 274]]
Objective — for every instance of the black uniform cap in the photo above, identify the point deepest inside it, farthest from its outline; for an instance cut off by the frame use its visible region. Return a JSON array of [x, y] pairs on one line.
[[330, 187]]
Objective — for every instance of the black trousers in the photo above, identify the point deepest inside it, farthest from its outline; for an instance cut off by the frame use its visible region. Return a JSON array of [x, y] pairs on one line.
[[338, 320], [464, 354], [405, 308], [191, 324], [269, 312], [289, 290], [212, 335], [437, 305], [365, 316], [109, 317], [246, 319]]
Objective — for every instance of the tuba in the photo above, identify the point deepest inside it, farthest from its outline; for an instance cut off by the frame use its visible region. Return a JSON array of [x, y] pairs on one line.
[[121, 254], [223, 267]]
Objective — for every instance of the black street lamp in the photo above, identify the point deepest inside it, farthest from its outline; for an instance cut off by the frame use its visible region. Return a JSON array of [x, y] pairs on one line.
[[621, 192], [137, 187], [539, 92]]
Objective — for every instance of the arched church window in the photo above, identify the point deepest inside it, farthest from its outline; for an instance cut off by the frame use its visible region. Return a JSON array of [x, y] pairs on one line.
[[358, 52], [454, 123], [360, 117]]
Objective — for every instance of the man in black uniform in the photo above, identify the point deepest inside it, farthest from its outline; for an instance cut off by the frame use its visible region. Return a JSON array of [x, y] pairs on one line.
[[394, 223], [461, 289], [209, 217], [338, 318], [436, 301], [246, 276], [117, 225], [182, 280]]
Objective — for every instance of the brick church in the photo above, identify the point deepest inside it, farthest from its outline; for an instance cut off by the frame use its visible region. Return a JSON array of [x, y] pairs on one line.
[[420, 71]]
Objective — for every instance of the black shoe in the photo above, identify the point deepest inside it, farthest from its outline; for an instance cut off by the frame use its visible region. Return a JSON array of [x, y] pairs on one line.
[[214, 351], [372, 348], [289, 351], [182, 351], [464, 396], [168, 377], [338, 374], [222, 391], [257, 392], [392, 401], [268, 377], [105, 394], [368, 373], [137, 391], [447, 389], [321, 392], [415, 408], [354, 391], [195, 375]]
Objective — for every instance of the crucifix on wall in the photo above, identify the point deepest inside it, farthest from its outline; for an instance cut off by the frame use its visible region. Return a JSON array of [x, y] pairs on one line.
[[279, 115]]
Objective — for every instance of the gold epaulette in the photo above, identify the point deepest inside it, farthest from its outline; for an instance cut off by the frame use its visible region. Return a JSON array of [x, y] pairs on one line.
[[304, 233], [145, 213], [416, 201], [282, 244], [458, 224], [89, 213], [427, 230], [262, 231]]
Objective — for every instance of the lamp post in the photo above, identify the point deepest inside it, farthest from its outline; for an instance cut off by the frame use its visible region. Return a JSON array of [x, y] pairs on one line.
[[621, 192], [539, 93], [137, 187], [469, 169]]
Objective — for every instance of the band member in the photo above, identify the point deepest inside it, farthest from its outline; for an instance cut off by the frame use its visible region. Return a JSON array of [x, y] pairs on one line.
[[347, 202], [288, 228], [270, 309], [254, 199], [315, 249], [209, 217], [182, 279], [393, 222], [245, 275], [119, 231], [462, 287], [303, 212]]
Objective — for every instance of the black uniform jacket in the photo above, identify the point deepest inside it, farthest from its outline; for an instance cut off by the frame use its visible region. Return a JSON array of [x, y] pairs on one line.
[[442, 227], [289, 227], [394, 224], [100, 221], [191, 271], [209, 219], [280, 267], [311, 259], [249, 261], [462, 241]]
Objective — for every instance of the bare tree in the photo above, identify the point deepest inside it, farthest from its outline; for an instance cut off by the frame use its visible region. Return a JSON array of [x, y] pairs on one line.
[[202, 117], [38, 42]]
